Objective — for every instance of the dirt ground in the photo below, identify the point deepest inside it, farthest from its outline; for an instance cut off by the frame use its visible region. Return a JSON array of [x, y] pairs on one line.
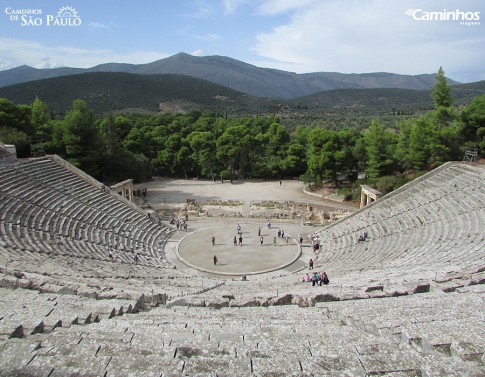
[[244, 198], [167, 190]]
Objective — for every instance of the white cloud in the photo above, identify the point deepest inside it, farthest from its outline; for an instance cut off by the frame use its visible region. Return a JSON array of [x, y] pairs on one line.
[[198, 52], [201, 9], [230, 6], [5, 64], [369, 36], [207, 37], [18, 52], [99, 25], [272, 7]]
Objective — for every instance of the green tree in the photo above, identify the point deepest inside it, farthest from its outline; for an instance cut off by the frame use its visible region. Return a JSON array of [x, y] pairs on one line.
[[203, 146], [15, 126], [295, 163], [379, 145], [441, 92], [169, 158], [40, 116], [344, 159], [184, 159], [18, 138], [119, 164], [323, 147], [419, 143], [473, 123], [444, 144], [16, 117], [81, 138], [402, 148], [275, 146], [135, 141], [232, 148], [41, 121]]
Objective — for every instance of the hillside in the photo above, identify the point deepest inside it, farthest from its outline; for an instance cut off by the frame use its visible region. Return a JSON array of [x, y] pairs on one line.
[[107, 91], [237, 75], [357, 107], [26, 73]]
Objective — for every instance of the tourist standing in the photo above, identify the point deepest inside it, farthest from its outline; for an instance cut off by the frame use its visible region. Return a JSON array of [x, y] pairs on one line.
[[314, 279]]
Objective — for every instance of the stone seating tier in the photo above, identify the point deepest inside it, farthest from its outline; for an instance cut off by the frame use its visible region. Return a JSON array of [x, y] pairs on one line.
[[330, 339], [79, 218], [436, 223], [56, 226]]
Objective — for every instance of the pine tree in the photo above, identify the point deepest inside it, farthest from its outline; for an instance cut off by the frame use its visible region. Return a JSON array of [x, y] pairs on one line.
[[81, 138], [379, 146], [441, 93]]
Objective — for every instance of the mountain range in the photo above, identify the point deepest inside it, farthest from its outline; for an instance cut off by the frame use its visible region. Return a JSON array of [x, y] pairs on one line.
[[237, 75], [128, 92]]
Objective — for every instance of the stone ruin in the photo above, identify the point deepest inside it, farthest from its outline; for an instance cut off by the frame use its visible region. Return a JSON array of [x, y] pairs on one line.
[[260, 210], [406, 302]]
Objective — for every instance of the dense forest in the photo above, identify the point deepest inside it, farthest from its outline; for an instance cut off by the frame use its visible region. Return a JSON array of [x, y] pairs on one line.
[[210, 145]]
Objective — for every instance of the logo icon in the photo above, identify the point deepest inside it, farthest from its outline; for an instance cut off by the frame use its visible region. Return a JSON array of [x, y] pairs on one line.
[[66, 16], [410, 12], [67, 12]]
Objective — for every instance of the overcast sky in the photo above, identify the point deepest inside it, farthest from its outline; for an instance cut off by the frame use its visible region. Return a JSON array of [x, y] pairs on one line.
[[349, 36]]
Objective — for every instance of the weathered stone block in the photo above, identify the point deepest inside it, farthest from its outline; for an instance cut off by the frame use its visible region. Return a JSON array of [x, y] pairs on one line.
[[325, 297], [302, 302], [421, 288], [218, 304], [245, 304], [283, 300], [375, 288], [69, 290]]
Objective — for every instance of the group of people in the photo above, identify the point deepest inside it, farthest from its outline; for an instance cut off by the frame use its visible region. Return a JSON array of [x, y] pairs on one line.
[[238, 240], [316, 278], [315, 242], [281, 234], [179, 223], [143, 192], [363, 237]]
